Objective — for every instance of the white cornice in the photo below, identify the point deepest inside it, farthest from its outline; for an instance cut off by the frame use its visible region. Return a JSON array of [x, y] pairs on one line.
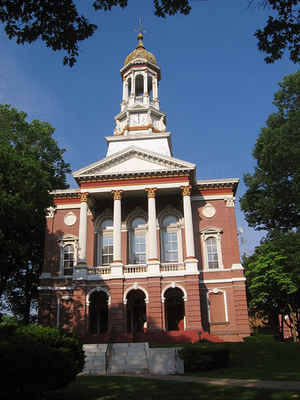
[[134, 187], [169, 163], [212, 197], [218, 181], [223, 280], [140, 136]]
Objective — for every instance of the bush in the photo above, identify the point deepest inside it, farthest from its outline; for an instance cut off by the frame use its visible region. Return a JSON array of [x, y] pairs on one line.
[[260, 338], [37, 359], [204, 356]]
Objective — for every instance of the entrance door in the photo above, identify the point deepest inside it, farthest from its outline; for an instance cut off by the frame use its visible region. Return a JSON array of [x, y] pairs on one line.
[[174, 310], [136, 311], [98, 313]]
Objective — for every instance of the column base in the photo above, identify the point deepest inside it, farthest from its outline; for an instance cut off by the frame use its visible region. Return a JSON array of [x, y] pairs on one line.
[[191, 265], [154, 266], [116, 269]]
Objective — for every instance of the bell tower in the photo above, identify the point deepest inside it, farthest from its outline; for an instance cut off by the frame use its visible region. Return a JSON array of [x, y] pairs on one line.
[[140, 116]]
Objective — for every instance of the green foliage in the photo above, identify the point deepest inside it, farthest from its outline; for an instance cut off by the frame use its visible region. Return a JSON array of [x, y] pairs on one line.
[[204, 356], [37, 358], [272, 200], [273, 276], [259, 338], [31, 164], [281, 31], [59, 25]]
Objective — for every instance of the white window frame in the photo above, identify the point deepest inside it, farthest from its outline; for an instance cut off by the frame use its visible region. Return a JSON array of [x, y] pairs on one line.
[[66, 241], [212, 232], [176, 227], [216, 291], [101, 232], [132, 231]]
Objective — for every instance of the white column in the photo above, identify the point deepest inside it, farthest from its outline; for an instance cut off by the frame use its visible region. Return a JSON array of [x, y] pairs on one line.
[[155, 91], [124, 90], [188, 222], [117, 256], [152, 233], [145, 83], [146, 94], [83, 228], [132, 84]]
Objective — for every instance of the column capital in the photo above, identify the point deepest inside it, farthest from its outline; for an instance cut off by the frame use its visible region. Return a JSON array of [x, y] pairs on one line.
[[117, 194], [186, 190], [84, 197], [151, 192]]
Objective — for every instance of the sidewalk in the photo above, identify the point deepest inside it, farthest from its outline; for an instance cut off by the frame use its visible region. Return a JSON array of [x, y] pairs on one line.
[[248, 383]]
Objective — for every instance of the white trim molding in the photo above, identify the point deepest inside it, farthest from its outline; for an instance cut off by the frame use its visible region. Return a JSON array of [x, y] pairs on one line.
[[135, 286], [173, 285], [216, 291], [98, 289], [206, 233], [222, 280]]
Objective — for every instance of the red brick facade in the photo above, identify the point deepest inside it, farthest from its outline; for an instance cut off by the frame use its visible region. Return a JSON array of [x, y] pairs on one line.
[[214, 299]]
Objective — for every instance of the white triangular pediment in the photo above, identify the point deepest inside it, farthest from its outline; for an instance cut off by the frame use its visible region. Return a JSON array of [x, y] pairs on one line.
[[131, 160]]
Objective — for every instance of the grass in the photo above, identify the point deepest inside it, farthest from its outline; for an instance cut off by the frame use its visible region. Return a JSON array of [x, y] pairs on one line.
[[121, 388], [273, 361]]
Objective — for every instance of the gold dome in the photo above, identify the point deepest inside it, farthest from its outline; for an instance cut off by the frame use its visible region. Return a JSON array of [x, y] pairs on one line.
[[140, 52]]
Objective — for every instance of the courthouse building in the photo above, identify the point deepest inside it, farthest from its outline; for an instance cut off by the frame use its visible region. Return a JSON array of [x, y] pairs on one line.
[[142, 250]]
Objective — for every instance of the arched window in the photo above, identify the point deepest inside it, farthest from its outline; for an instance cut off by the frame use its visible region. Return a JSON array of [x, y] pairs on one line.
[[169, 239], [212, 253], [129, 87], [139, 85], [150, 80], [68, 260], [68, 246], [212, 250], [138, 241], [105, 243]]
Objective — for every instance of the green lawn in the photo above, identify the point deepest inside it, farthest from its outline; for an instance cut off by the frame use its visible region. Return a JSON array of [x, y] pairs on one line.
[[121, 388], [273, 361]]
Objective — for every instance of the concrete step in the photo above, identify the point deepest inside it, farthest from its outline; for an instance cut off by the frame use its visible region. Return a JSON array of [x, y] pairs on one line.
[[130, 358]]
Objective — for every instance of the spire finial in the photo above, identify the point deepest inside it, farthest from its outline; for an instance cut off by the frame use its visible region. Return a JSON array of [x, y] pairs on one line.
[[140, 34]]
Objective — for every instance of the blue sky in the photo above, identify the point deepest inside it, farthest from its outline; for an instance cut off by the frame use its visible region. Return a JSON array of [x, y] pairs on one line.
[[216, 89]]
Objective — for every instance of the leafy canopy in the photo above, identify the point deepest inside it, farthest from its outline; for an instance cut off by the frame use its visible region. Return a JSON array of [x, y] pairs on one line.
[[272, 200], [58, 24], [281, 31], [273, 276], [31, 165]]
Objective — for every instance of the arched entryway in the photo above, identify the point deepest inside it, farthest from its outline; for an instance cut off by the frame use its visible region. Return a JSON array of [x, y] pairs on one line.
[[136, 311], [174, 309], [98, 313]]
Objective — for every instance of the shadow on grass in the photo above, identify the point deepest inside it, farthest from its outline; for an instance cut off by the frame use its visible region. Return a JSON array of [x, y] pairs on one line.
[[269, 361], [121, 388]]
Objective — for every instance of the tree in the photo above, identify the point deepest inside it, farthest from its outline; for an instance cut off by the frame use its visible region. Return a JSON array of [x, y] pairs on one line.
[[59, 25], [31, 165], [282, 31], [273, 280], [272, 200]]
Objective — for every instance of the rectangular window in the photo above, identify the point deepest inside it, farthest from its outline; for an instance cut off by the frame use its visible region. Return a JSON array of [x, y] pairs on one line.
[[171, 247], [68, 260], [139, 248], [212, 253], [107, 250]]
